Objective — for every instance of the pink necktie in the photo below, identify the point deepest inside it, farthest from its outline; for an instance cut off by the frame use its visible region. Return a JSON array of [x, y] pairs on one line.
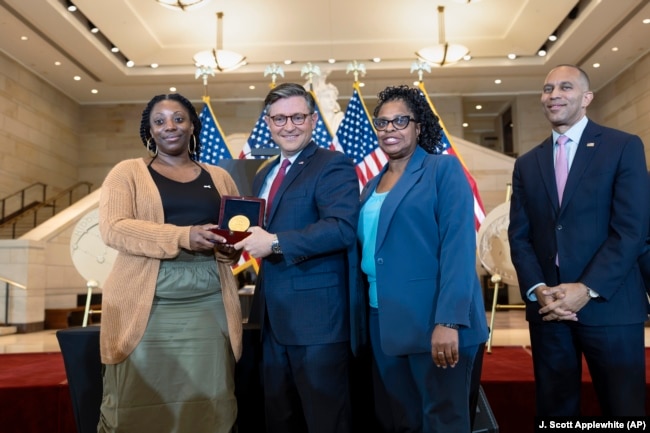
[[276, 185], [561, 165]]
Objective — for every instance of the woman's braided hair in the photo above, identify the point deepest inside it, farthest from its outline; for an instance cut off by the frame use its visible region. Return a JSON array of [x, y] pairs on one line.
[[145, 123]]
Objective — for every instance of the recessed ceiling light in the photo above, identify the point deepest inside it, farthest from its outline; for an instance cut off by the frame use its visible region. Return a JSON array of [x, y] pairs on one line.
[[646, 21], [172, 89], [467, 57], [130, 63], [331, 61], [497, 81], [115, 49], [288, 62], [251, 87], [24, 38], [614, 49], [57, 63], [512, 56], [552, 37], [153, 65], [77, 78], [376, 59], [596, 65], [465, 124], [362, 84], [94, 91], [479, 107], [541, 52]]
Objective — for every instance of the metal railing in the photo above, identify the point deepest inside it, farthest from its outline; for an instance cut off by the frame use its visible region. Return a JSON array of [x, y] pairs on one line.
[[46, 208], [36, 192], [8, 283]]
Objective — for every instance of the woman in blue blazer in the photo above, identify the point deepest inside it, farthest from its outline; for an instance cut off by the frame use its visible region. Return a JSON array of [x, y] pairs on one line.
[[427, 317]]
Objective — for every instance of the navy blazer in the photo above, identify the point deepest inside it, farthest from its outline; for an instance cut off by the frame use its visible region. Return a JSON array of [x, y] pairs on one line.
[[598, 232], [308, 291], [425, 256], [644, 259]]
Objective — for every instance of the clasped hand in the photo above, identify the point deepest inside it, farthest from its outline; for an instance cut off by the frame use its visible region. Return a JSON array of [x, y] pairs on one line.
[[562, 302]]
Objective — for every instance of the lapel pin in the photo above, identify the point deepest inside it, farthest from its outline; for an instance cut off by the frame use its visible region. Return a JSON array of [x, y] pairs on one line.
[[590, 144]]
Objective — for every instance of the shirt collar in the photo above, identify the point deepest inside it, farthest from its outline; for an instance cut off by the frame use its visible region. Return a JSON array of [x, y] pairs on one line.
[[575, 132]]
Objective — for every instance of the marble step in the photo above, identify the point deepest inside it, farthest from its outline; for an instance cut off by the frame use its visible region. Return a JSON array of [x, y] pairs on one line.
[[7, 330]]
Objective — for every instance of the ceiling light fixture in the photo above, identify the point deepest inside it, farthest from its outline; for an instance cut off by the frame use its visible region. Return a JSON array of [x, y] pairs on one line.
[[444, 53], [219, 59], [182, 5]]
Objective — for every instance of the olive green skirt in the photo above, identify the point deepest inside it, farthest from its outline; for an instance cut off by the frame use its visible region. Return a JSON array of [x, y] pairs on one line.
[[180, 377]]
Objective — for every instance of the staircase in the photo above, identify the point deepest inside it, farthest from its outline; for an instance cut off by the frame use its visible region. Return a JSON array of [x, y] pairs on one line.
[[22, 211]]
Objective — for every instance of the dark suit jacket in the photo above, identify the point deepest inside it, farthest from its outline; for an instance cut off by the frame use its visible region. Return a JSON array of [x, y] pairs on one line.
[[425, 256], [307, 291], [598, 231], [644, 259]]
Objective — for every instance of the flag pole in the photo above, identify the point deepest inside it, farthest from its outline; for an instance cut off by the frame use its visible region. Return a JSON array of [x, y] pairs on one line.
[[273, 70], [310, 70]]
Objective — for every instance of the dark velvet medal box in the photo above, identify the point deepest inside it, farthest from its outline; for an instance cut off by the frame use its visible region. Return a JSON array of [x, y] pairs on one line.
[[237, 214]]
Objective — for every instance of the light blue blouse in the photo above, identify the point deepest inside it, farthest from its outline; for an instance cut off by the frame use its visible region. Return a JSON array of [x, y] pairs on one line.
[[367, 234]]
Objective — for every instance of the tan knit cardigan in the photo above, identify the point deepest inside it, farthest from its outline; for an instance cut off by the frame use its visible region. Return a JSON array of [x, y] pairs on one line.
[[131, 220]]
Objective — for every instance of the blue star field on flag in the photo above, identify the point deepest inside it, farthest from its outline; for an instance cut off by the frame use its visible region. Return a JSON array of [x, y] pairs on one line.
[[358, 138], [213, 144]]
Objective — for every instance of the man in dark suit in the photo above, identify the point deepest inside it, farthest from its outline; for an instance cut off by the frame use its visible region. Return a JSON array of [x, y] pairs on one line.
[[303, 297], [575, 251]]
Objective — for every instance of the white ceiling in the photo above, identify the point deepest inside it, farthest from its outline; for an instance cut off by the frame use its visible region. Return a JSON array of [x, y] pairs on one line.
[[305, 31]]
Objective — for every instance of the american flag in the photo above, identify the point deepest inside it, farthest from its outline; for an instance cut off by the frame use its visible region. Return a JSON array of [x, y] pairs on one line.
[[449, 148], [214, 148], [245, 262], [260, 137], [213, 143], [357, 137]]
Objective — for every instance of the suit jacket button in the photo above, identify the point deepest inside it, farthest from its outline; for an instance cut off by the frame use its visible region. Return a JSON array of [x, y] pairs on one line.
[[559, 227], [380, 261]]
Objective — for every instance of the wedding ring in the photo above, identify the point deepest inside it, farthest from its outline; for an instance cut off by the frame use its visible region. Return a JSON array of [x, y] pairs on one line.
[[441, 353]]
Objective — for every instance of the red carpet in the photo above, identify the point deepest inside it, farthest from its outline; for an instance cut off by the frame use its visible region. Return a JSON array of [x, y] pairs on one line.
[[507, 380], [34, 395]]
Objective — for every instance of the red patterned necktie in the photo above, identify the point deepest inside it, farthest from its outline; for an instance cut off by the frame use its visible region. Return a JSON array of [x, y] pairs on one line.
[[276, 185], [561, 165]]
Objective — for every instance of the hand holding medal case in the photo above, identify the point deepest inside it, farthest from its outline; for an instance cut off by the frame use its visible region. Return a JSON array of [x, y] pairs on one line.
[[238, 214]]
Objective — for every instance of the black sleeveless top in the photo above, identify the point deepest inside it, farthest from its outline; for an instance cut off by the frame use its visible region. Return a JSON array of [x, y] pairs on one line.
[[190, 203]]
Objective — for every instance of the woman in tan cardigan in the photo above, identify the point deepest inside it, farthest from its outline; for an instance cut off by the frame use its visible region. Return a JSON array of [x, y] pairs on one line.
[[171, 319]]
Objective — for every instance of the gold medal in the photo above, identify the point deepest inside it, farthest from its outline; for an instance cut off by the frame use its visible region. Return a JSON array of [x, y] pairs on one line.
[[239, 223]]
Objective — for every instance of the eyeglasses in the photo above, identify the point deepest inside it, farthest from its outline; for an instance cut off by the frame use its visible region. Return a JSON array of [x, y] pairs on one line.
[[281, 120], [399, 122]]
